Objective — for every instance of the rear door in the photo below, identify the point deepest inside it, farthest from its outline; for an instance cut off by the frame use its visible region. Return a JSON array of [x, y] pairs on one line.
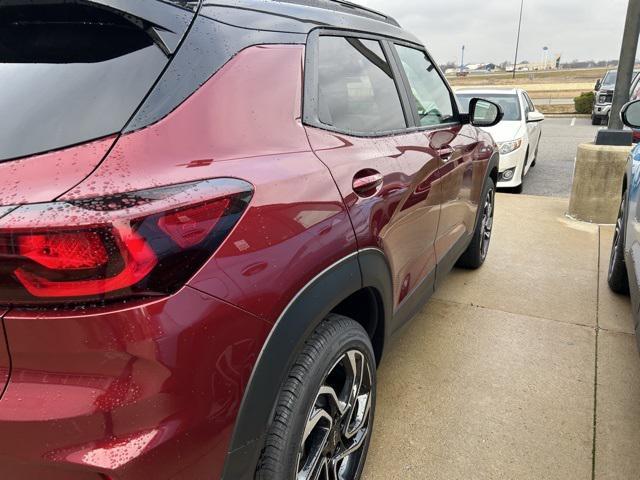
[[461, 177], [361, 127]]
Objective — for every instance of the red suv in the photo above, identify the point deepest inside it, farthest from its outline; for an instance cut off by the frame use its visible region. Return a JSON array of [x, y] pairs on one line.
[[213, 217]]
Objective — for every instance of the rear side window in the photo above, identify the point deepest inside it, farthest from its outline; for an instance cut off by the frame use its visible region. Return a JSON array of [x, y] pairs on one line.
[[431, 95], [357, 90]]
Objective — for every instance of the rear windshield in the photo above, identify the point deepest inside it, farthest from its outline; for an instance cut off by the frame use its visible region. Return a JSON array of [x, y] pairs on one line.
[[69, 74], [510, 104]]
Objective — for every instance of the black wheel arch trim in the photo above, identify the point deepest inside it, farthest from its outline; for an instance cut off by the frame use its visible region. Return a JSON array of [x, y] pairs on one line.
[[494, 164], [376, 275], [367, 268]]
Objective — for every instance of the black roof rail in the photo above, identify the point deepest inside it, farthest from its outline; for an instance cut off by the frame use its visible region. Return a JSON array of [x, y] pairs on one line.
[[356, 6]]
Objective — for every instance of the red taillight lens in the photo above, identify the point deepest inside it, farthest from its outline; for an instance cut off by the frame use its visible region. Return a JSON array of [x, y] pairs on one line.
[[137, 244], [137, 257], [64, 251]]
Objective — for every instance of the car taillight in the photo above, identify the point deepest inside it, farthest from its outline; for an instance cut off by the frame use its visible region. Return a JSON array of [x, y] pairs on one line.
[[138, 244], [62, 251]]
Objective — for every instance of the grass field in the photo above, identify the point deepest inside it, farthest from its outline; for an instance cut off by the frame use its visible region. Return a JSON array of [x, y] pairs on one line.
[[548, 77], [568, 109], [537, 90], [549, 84]]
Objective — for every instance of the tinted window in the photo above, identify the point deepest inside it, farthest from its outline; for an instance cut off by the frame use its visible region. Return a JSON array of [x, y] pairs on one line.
[[510, 104], [432, 97], [357, 91], [635, 93], [59, 91], [610, 79]]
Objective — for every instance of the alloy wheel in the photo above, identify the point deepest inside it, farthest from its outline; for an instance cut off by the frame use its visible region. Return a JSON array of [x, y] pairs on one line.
[[339, 424], [487, 223]]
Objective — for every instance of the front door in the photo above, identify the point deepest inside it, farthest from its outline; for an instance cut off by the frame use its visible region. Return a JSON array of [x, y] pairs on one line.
[[460, 175]]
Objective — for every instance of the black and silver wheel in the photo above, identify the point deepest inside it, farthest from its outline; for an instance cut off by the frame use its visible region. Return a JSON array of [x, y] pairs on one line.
[[487, 223], [338, 425], [477, 252], [324, 417], [617, 277]]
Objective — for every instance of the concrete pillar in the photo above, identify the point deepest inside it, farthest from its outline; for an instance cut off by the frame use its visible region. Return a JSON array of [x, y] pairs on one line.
[[597, 183]]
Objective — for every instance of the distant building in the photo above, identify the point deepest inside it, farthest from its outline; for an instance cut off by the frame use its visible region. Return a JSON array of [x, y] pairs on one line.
[[476, 66], [535, 67]]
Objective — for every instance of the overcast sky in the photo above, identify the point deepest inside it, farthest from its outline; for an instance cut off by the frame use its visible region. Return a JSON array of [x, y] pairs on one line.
[[577, 29]]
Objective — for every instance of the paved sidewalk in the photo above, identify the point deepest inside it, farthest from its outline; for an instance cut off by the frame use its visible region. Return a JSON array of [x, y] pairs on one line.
[[511, 371]]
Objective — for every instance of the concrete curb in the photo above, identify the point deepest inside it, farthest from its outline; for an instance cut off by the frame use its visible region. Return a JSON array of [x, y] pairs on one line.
[[597, 183]]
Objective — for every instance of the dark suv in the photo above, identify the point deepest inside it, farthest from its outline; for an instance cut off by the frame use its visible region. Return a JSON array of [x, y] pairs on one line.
[[213, 216], [604, 90]]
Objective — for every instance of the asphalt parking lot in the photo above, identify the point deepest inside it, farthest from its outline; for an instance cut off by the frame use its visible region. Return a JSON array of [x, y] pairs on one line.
[[524, 369], [553, 173]]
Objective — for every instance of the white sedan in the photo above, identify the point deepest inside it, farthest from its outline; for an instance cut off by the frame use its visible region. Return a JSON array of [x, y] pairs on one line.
[[517, 135]]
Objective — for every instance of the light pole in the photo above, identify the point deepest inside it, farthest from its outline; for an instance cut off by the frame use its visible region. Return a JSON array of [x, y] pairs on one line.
[[462, 61], [626, 64], [515, 61]]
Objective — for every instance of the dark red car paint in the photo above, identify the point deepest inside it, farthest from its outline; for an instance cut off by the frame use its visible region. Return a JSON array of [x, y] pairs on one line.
[[296, 225], [125, 392], [123, 389], [402, 217], [152, 388], [42, 178]]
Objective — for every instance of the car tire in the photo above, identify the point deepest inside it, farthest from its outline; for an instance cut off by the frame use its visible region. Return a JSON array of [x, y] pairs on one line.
[[595, 120], [476, 254], [327, 399], [618, 278]]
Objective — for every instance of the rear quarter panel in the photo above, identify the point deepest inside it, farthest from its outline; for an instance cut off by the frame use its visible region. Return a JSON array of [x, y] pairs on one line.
[[245, 123]]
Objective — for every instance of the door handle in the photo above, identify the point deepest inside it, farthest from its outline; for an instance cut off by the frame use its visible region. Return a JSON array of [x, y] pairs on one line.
[[445, 153], [366, 182]]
